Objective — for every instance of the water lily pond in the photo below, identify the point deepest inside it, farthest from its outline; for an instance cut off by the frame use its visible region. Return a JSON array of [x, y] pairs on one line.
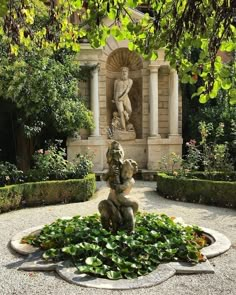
[[95, 251]]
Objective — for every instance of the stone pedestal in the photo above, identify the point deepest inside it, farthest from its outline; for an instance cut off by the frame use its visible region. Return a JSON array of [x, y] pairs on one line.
[[124, 135], [159, 147], [94, 146]]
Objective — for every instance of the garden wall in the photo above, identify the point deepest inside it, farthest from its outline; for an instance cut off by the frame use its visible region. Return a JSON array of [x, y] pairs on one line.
[[46, 192], [217, 193]]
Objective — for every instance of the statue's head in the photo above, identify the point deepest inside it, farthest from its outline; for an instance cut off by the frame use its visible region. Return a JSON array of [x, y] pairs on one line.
[[115, 152], [115, 114], [124, 73], [129, 168]]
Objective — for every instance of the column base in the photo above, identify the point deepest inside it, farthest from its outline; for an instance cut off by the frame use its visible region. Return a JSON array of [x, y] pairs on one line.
[[174, 135], [154, 136], [94, 137]]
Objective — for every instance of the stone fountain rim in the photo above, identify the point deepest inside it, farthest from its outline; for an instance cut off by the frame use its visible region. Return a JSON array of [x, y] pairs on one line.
[[163, 272]]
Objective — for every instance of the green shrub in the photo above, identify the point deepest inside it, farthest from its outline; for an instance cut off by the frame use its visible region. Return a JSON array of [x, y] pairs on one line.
[[9, 174], [217, 193], [217, 176], [46, 192], [51, 164], [11, 197]]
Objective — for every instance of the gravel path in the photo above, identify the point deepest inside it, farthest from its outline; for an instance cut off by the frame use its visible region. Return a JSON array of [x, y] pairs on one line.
[[223, 282]]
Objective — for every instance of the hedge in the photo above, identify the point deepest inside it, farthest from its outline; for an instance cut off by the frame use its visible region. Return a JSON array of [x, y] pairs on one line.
[[46, 192], [210, 192]]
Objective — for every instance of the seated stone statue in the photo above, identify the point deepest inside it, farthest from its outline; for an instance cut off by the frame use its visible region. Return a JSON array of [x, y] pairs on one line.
[[119, 196], [117, 212], [115, 157]]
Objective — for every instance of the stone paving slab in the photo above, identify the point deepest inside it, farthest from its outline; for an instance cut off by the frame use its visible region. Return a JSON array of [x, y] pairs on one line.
[[221, 243], [25, 249], [188, 268], [161, 274], [35, 262]]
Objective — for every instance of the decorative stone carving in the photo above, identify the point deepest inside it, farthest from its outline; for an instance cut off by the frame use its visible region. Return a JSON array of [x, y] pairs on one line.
[[118, 211]]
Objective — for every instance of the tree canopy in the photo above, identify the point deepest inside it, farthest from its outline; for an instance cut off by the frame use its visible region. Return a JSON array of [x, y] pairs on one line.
[[178, 26], [44, 89]]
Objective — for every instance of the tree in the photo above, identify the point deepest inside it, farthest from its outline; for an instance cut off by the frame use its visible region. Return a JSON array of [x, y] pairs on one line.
[[44, 89], [178, 26]]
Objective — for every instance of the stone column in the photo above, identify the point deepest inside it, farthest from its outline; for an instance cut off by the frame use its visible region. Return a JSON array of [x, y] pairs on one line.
[[173, 103], [153, 101], [95, 101]]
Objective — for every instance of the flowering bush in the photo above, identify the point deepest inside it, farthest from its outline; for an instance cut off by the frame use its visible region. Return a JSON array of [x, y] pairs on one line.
[[51, 164], [81, 166], [214, 156], [211, 157], [9, 174], [171, 164], [193, 157]]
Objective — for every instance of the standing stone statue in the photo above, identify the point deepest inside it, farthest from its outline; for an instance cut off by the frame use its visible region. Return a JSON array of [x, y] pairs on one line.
[[121, 89], [118, 211], [121, 127]]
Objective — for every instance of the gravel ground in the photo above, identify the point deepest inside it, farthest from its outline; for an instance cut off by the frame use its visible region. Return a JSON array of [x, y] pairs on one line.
[[223, 282]]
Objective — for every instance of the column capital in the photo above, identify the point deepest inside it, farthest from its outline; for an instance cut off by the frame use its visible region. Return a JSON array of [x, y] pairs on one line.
[[173, 71], [96, 68], [154, 68]]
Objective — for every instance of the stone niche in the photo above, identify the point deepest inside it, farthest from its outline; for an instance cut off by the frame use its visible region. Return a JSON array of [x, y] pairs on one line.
[[122, 57], [155, 99]]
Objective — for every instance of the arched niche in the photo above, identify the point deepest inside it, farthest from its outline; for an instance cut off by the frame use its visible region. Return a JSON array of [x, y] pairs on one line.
[[123, 57]]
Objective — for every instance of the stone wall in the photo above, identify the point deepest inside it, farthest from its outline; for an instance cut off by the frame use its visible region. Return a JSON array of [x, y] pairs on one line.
[[146, 150]]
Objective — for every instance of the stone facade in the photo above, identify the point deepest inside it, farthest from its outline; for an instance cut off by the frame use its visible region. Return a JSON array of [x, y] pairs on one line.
[[155, 100]]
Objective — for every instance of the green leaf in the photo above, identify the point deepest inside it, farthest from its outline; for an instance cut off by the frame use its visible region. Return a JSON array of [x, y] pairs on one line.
[[131, 46], [85, 268], [69, 230], [232, 95], [93, 261], [215, 89], [111, 245], [114, 275], [226, 84], [71, 250], [203, 98], [228, 46], [3, 7]]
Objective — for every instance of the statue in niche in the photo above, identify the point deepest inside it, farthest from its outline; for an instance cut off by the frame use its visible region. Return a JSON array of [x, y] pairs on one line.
[[121, 127], [118, 211]]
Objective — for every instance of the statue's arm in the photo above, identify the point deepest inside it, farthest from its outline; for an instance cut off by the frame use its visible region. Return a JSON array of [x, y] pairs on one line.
[[115, 90], [127, 89], [125, 185]]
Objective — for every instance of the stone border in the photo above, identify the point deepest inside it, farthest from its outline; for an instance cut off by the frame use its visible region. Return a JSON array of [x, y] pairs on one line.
[[164, 271], [221, 243], [25, 249], [159, 275]]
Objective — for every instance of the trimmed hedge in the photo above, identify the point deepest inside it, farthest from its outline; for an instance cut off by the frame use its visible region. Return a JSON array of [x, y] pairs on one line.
[[46, 192], [216, 193]]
